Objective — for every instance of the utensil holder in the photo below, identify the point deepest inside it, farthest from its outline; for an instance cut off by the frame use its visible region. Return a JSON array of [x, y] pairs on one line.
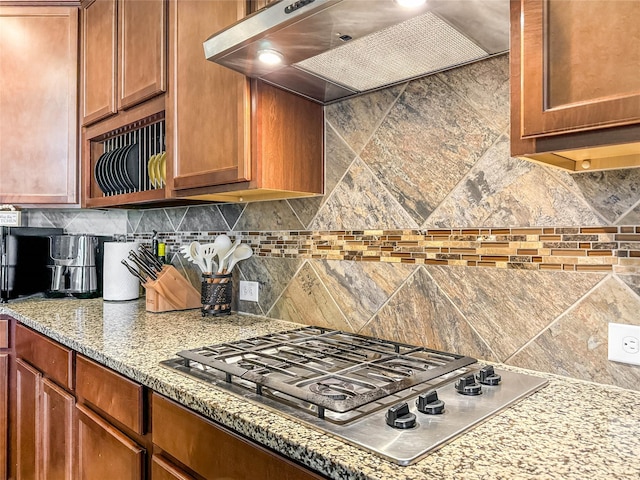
[[217, 292], [171, 291]]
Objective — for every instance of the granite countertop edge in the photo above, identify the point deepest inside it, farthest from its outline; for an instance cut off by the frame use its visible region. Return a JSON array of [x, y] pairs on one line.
[[87, 327]]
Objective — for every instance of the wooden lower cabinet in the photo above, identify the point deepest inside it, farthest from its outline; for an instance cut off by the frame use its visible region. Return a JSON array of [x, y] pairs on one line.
[[104, 452], [4, 413], [214, 452], [28, 388], [57, 447]]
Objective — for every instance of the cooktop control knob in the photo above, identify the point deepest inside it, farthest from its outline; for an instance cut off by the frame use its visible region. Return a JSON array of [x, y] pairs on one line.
[[429, 403], [487, 376], [399, 416], [467, 385]]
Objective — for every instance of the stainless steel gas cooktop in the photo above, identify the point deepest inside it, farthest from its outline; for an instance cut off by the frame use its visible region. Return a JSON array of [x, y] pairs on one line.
[[396, 400]]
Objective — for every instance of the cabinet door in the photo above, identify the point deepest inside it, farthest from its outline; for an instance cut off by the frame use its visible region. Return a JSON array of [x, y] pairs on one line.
[[28, 391], [580, 65], [98, 60], [208, 105], [4, 412], [57, 432], [142, 51], [105, 452], [38, 105]]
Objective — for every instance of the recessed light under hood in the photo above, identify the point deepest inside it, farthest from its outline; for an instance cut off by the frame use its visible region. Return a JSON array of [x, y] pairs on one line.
[[335, 49]]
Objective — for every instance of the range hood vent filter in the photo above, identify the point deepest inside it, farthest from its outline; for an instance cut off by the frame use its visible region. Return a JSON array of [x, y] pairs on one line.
[[416, 47]]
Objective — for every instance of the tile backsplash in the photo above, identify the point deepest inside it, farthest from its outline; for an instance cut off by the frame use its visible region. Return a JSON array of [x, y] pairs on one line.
[[430, 233]]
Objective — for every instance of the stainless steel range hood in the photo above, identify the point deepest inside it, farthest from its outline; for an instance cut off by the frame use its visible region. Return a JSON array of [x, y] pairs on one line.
[[334, 49]]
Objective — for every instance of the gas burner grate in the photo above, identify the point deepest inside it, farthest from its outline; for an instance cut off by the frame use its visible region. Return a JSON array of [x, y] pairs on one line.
[[329, 369]]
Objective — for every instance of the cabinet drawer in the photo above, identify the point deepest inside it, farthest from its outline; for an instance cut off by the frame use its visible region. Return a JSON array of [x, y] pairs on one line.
[[112, 393], [51, 358], [214, 452], [4, 333]]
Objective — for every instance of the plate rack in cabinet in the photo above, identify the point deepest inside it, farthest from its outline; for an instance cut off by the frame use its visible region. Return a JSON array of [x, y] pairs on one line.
[[125, 165]]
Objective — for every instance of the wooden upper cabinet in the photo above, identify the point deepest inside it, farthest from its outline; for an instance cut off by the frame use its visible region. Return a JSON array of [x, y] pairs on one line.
[[231, 139], [580, 65], [123, 55], [575, 87], [99, 54], [142, 53], [208, 105], [38, 105]]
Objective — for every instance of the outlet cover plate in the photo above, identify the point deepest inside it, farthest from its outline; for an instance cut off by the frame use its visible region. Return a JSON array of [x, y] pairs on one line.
[[624, 343], [249, 291]]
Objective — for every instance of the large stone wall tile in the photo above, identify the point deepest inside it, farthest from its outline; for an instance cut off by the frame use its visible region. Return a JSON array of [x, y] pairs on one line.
[[307, 301], [510, 307], [357, 118], [485, 85], [273, 275], [612, 193], [306, 209], [632, 281], [203, 218], [360, 201], [576, 344], [510, 192], [98, 222], [426, 145], [176, 215], [155, 219], [421, 314], [274, 215], [631, 218], [361, 288], [37, 218], [133, 220], [231, 212]]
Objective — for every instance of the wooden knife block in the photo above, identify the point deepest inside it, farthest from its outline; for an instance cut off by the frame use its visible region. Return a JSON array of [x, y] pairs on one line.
[[171, 291]]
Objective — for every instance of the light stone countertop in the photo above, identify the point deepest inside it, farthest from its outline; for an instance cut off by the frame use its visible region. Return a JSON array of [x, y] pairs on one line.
[[569, 430]]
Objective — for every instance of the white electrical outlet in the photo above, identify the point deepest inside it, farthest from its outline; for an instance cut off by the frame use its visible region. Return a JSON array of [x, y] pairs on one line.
[[249, 291], [624, 343]]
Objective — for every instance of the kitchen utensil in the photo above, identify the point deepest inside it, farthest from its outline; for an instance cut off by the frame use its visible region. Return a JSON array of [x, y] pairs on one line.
[[223, 244], [192, 253], [142, 265], [133, 271], [227, 255], [242, 252], [150, 257]]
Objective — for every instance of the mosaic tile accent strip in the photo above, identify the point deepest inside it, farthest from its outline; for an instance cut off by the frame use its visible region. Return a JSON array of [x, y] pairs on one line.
[[581, 249]]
